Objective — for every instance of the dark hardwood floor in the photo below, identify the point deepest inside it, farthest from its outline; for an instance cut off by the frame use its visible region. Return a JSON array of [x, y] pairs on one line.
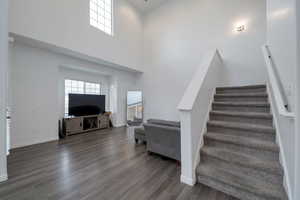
[[94, 166]]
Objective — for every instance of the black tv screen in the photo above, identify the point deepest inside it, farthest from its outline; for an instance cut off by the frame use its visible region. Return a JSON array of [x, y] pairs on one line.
[[85, 104]]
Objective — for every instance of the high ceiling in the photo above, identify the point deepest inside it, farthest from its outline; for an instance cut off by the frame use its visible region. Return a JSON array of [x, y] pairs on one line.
[[145, 7]]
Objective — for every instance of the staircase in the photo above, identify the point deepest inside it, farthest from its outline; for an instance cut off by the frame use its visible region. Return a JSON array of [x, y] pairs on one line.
[[240, 156]]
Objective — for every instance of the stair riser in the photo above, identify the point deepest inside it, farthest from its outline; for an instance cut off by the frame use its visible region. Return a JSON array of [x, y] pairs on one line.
[[263, 109], [241, 99], [227, 189], [269, 177], [259, 153], [250, 120], [230, 131], [239, 91]]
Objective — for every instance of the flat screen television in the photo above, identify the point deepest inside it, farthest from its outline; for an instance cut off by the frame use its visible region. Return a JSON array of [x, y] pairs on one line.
[[85, 104]]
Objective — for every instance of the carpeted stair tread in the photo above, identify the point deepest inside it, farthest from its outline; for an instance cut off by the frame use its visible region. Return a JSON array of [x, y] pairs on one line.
[[243, 87], [243, 114], [248, 104], [247, 171], [243, 141], [250, 94], [240, 156], [242, 126], [256, 187], [227, 189], [243, 159]]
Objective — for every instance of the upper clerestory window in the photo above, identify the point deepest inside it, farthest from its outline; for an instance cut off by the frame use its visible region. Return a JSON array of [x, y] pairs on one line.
[[101, 15]]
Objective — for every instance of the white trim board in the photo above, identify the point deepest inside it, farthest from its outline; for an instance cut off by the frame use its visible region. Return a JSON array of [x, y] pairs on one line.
[[50, 139], [119, 125], [3, 177], [61, 50], [188, 181]]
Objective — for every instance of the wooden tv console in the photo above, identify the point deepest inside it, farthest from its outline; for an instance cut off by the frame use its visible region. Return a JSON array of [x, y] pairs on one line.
[[75, 125]]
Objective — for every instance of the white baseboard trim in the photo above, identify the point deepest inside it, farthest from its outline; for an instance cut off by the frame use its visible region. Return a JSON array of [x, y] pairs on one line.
[[187, 180], [41, 141], [119, 125], [3, 177]]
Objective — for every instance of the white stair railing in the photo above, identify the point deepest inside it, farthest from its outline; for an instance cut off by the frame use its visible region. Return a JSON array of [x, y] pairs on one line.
[[276, 85], [283, 120], [194, 112]]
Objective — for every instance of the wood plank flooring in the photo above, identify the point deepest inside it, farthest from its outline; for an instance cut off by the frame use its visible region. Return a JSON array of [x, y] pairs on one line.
[[102, 165]]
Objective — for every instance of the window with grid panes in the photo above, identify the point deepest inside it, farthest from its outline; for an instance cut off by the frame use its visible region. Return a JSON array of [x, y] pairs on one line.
[[101, 15], [79, 87]]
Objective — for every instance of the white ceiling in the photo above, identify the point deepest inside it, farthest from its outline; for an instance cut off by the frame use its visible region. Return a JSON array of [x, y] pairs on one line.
[[145, 7]]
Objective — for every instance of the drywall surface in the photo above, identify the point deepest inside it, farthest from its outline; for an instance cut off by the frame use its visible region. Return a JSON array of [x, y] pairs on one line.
[[282, 41], [38, 91], [297, 140], [179, 33], [281, 38], [3, 85], [66, 24]]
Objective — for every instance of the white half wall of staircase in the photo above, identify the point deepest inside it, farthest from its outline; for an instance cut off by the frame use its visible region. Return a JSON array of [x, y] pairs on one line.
[[179, 33], [284, 121], [194, 110], [285, 135], [281, 39], [282, 42], [297, 141], [3, 85]]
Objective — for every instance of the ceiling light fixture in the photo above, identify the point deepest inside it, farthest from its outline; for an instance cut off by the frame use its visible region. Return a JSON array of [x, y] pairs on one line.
[[240, 28]]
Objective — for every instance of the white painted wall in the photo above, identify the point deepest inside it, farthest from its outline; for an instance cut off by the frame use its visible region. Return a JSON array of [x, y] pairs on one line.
[[3, 85], [66, 24], [283, 122], [176, 36], [281, 39], [37, 90], [297, 140]]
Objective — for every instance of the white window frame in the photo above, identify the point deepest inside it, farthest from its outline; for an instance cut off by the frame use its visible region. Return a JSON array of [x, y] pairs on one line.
[[91, 89], [97, 24], [84, 91]]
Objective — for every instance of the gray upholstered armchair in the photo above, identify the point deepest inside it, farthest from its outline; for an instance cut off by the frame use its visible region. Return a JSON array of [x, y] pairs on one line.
[[163, 137]]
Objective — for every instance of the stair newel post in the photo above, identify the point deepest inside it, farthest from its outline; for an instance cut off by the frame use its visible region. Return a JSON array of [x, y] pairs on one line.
[[187, 169]]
